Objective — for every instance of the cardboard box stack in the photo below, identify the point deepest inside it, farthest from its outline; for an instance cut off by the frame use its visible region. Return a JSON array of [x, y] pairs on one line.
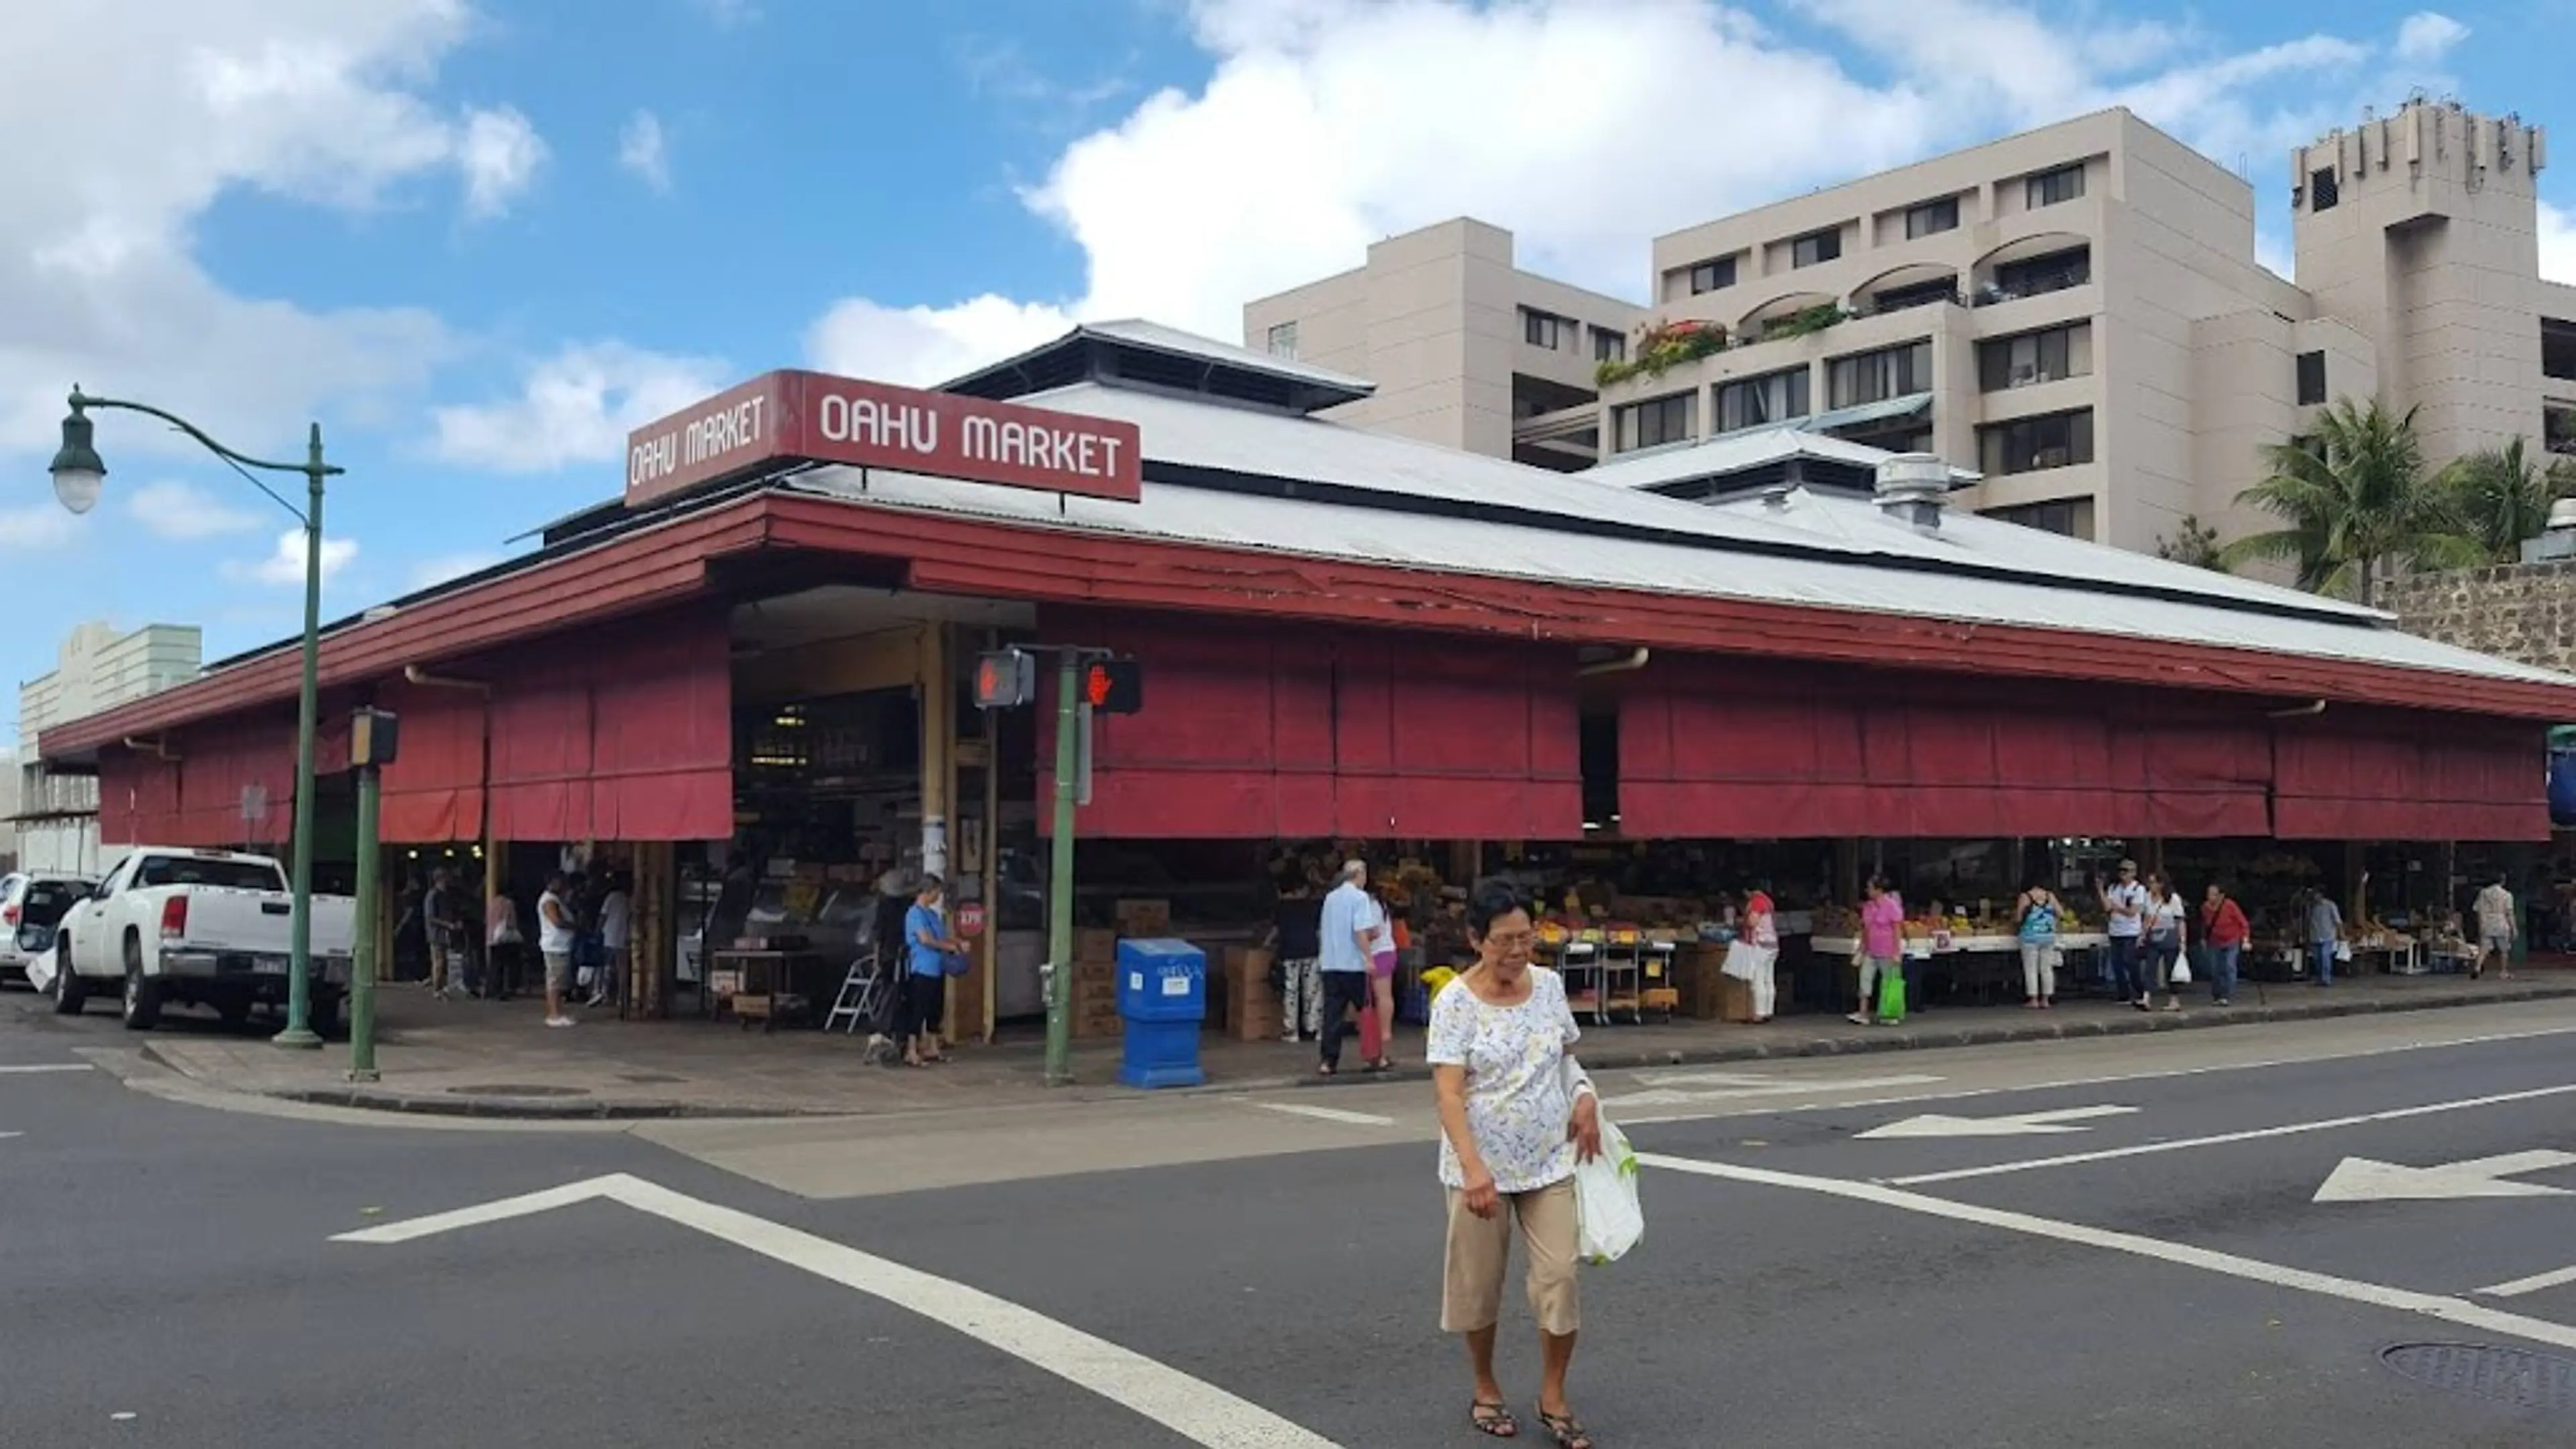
[[1144, 920], [1702, 984], [1251, 1007], [1095, 984]]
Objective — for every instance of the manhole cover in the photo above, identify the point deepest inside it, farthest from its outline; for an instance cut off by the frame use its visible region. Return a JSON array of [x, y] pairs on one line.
[[2525, 1380], [504, 1089], [649, 1079]]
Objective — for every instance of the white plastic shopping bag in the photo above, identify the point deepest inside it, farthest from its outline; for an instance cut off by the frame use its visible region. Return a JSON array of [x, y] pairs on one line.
[[1743, 959], [2181, 972], [1609, 1219]]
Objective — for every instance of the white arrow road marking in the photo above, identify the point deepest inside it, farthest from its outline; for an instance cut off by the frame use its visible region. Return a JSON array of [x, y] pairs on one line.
[[2364, 1179], [2353, 1290], [2532, 1284], [2018, 1124], [4, 1136], [1325, 1114], [2222, 1139], [44, 1067], [1198, 1411]]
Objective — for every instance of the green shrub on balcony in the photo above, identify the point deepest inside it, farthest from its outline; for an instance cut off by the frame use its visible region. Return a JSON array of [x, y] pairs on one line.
[[1661, 347], [1805, 322]]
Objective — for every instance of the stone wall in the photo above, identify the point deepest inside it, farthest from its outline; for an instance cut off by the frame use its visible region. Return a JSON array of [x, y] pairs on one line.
[[2525, 612]]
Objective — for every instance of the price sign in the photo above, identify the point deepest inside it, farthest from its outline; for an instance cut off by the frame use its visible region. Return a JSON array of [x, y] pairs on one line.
[[970, 919]]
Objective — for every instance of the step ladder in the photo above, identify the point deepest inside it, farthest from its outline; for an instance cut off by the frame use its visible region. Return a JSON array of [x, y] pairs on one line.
[[865, 993]]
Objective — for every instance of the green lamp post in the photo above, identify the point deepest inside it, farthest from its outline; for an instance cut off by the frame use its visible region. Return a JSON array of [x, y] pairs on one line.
[[78, 477]]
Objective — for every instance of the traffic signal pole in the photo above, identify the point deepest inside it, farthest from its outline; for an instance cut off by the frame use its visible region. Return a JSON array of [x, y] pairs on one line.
[[1060, 968]]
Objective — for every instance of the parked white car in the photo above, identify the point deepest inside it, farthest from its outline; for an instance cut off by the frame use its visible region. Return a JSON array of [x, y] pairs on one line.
[[31, 904], [197, 928]]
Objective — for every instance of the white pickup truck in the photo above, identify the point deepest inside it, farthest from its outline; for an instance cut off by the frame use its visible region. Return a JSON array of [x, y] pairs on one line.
[[198, 928]]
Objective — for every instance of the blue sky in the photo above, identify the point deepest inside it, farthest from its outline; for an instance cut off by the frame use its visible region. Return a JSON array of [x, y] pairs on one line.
[[477, 241]]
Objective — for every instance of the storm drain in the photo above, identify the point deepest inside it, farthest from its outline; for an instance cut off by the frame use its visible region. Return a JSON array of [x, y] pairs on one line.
[[505, 1089], [2507, 1375], [649, 1079]]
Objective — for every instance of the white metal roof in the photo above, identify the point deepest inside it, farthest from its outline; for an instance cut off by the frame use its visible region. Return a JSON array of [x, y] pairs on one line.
[[1155, 337], [1738, 452], [1842, 547]]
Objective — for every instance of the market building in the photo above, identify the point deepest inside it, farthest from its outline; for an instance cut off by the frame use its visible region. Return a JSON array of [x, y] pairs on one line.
[[746, 684]]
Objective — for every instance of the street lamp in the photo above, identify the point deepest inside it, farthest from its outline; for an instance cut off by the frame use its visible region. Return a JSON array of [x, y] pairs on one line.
[[78, 476]]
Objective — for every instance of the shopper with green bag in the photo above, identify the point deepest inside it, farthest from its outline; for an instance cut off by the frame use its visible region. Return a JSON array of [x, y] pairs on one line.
[[1891, 996], [1882, 953]]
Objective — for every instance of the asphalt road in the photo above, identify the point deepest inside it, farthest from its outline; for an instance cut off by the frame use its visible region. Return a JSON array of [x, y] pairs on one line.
[[2156, 1270]]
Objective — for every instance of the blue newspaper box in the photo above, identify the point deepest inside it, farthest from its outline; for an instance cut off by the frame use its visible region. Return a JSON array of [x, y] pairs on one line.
[[1162, 999]]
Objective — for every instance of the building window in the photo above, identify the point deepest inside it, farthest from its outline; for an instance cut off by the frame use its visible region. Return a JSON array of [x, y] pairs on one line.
[[2558, 429], [1652, 423], [2048, 188], [2072, 517], [1542, 329], [1936, 292], [1932, 217], [2558, 349], [2312, 378], [1754, 401], [2035, 357], [1814, 247], [1711, 275], [1609, 346], [2323, 190], [2028, 445], [1283, 339], [2054, 272], [1890, 372]]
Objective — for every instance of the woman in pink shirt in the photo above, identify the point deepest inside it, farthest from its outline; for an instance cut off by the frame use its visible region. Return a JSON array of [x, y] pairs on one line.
[[1882, 944]]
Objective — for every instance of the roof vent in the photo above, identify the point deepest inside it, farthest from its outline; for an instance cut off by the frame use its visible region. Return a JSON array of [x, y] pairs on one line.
[[1912, 486], [2562, 515], [2558, 541]]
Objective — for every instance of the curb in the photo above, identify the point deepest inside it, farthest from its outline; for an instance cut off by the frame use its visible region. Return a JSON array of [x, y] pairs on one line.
[[378, 1099]]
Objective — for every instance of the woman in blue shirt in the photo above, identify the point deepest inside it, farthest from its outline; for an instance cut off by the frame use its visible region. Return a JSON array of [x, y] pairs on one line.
[[921, 998], [2037, 932]]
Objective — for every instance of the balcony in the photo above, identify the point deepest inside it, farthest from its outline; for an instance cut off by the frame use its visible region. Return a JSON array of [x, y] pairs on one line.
[[1917, 285], [2034, 267]]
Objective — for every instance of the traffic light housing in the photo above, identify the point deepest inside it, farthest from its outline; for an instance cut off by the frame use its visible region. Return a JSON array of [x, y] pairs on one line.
[[1113, 686], [1006, 679]]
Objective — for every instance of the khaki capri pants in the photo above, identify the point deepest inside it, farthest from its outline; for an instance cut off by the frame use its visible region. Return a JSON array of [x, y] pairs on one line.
[[1479, 1250]]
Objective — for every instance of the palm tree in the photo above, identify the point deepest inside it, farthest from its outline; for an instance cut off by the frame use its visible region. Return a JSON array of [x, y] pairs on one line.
[[2354, 501], [2502, 497]]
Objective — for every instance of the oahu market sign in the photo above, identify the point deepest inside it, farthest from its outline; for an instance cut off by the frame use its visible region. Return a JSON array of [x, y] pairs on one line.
[[792, 416]]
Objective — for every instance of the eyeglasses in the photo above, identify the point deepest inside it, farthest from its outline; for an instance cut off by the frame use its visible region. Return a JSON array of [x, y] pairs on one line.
[[1514, 940]]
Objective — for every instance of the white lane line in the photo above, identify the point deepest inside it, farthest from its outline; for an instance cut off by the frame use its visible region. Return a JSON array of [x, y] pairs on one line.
[[2180, 1144], [1663, 1094], [1325, 1114], [5, 1136], [2532, 1284], [2254, 1270], [44, 1067], [1196, 1410]]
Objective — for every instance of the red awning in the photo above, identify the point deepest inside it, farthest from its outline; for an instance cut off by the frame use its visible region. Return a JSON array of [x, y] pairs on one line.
[[138, 799], [2379, 775], [1708, 751], [1260, 733], [433, 791], [622, 733]]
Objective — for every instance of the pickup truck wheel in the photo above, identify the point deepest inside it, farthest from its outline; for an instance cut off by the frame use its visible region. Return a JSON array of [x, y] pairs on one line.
[[70, 992], [142, 995]]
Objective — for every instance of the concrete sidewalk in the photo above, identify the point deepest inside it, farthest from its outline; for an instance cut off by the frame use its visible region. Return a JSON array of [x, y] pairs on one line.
[[473, 1058]]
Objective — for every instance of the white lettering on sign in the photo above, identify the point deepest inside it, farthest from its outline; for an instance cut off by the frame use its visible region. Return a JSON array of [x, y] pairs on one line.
[[698, 441], [907, 426], [1036, 445]]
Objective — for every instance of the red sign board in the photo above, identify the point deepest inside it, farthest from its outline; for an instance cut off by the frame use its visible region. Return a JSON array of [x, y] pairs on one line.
[[970, 919], [808, 416]]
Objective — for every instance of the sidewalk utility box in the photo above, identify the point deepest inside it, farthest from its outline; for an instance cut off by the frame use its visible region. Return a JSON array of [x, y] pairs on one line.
[[1162, 998]]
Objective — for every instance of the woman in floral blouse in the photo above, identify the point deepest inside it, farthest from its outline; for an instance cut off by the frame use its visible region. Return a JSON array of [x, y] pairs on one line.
[[1516, 1114]]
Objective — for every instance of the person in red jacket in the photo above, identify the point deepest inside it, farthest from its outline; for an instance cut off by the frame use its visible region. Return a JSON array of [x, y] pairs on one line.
[[2222, 935]]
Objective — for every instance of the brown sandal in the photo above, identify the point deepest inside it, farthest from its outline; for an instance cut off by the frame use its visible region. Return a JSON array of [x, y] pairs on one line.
[[1568, 1433], [1493, 1419]]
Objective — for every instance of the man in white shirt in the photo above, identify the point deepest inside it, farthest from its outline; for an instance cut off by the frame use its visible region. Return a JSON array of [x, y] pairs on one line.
[[616, 930], [2125, 901], [1344, 965], [2495, 913]]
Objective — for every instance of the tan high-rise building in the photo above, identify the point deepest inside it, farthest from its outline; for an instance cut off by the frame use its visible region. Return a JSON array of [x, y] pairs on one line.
[[1466, 349], [2075, 313]]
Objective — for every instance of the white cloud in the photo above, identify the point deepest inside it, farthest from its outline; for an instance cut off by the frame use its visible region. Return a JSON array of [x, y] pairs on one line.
[[175, 510], [499, 153], [575, 407], [2427, 36], [2558, 244], [923, 345], [324, 102], [431, 572], [1322, 129], [286, 565], [2276, 253], [642, 152], [33, 526]]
